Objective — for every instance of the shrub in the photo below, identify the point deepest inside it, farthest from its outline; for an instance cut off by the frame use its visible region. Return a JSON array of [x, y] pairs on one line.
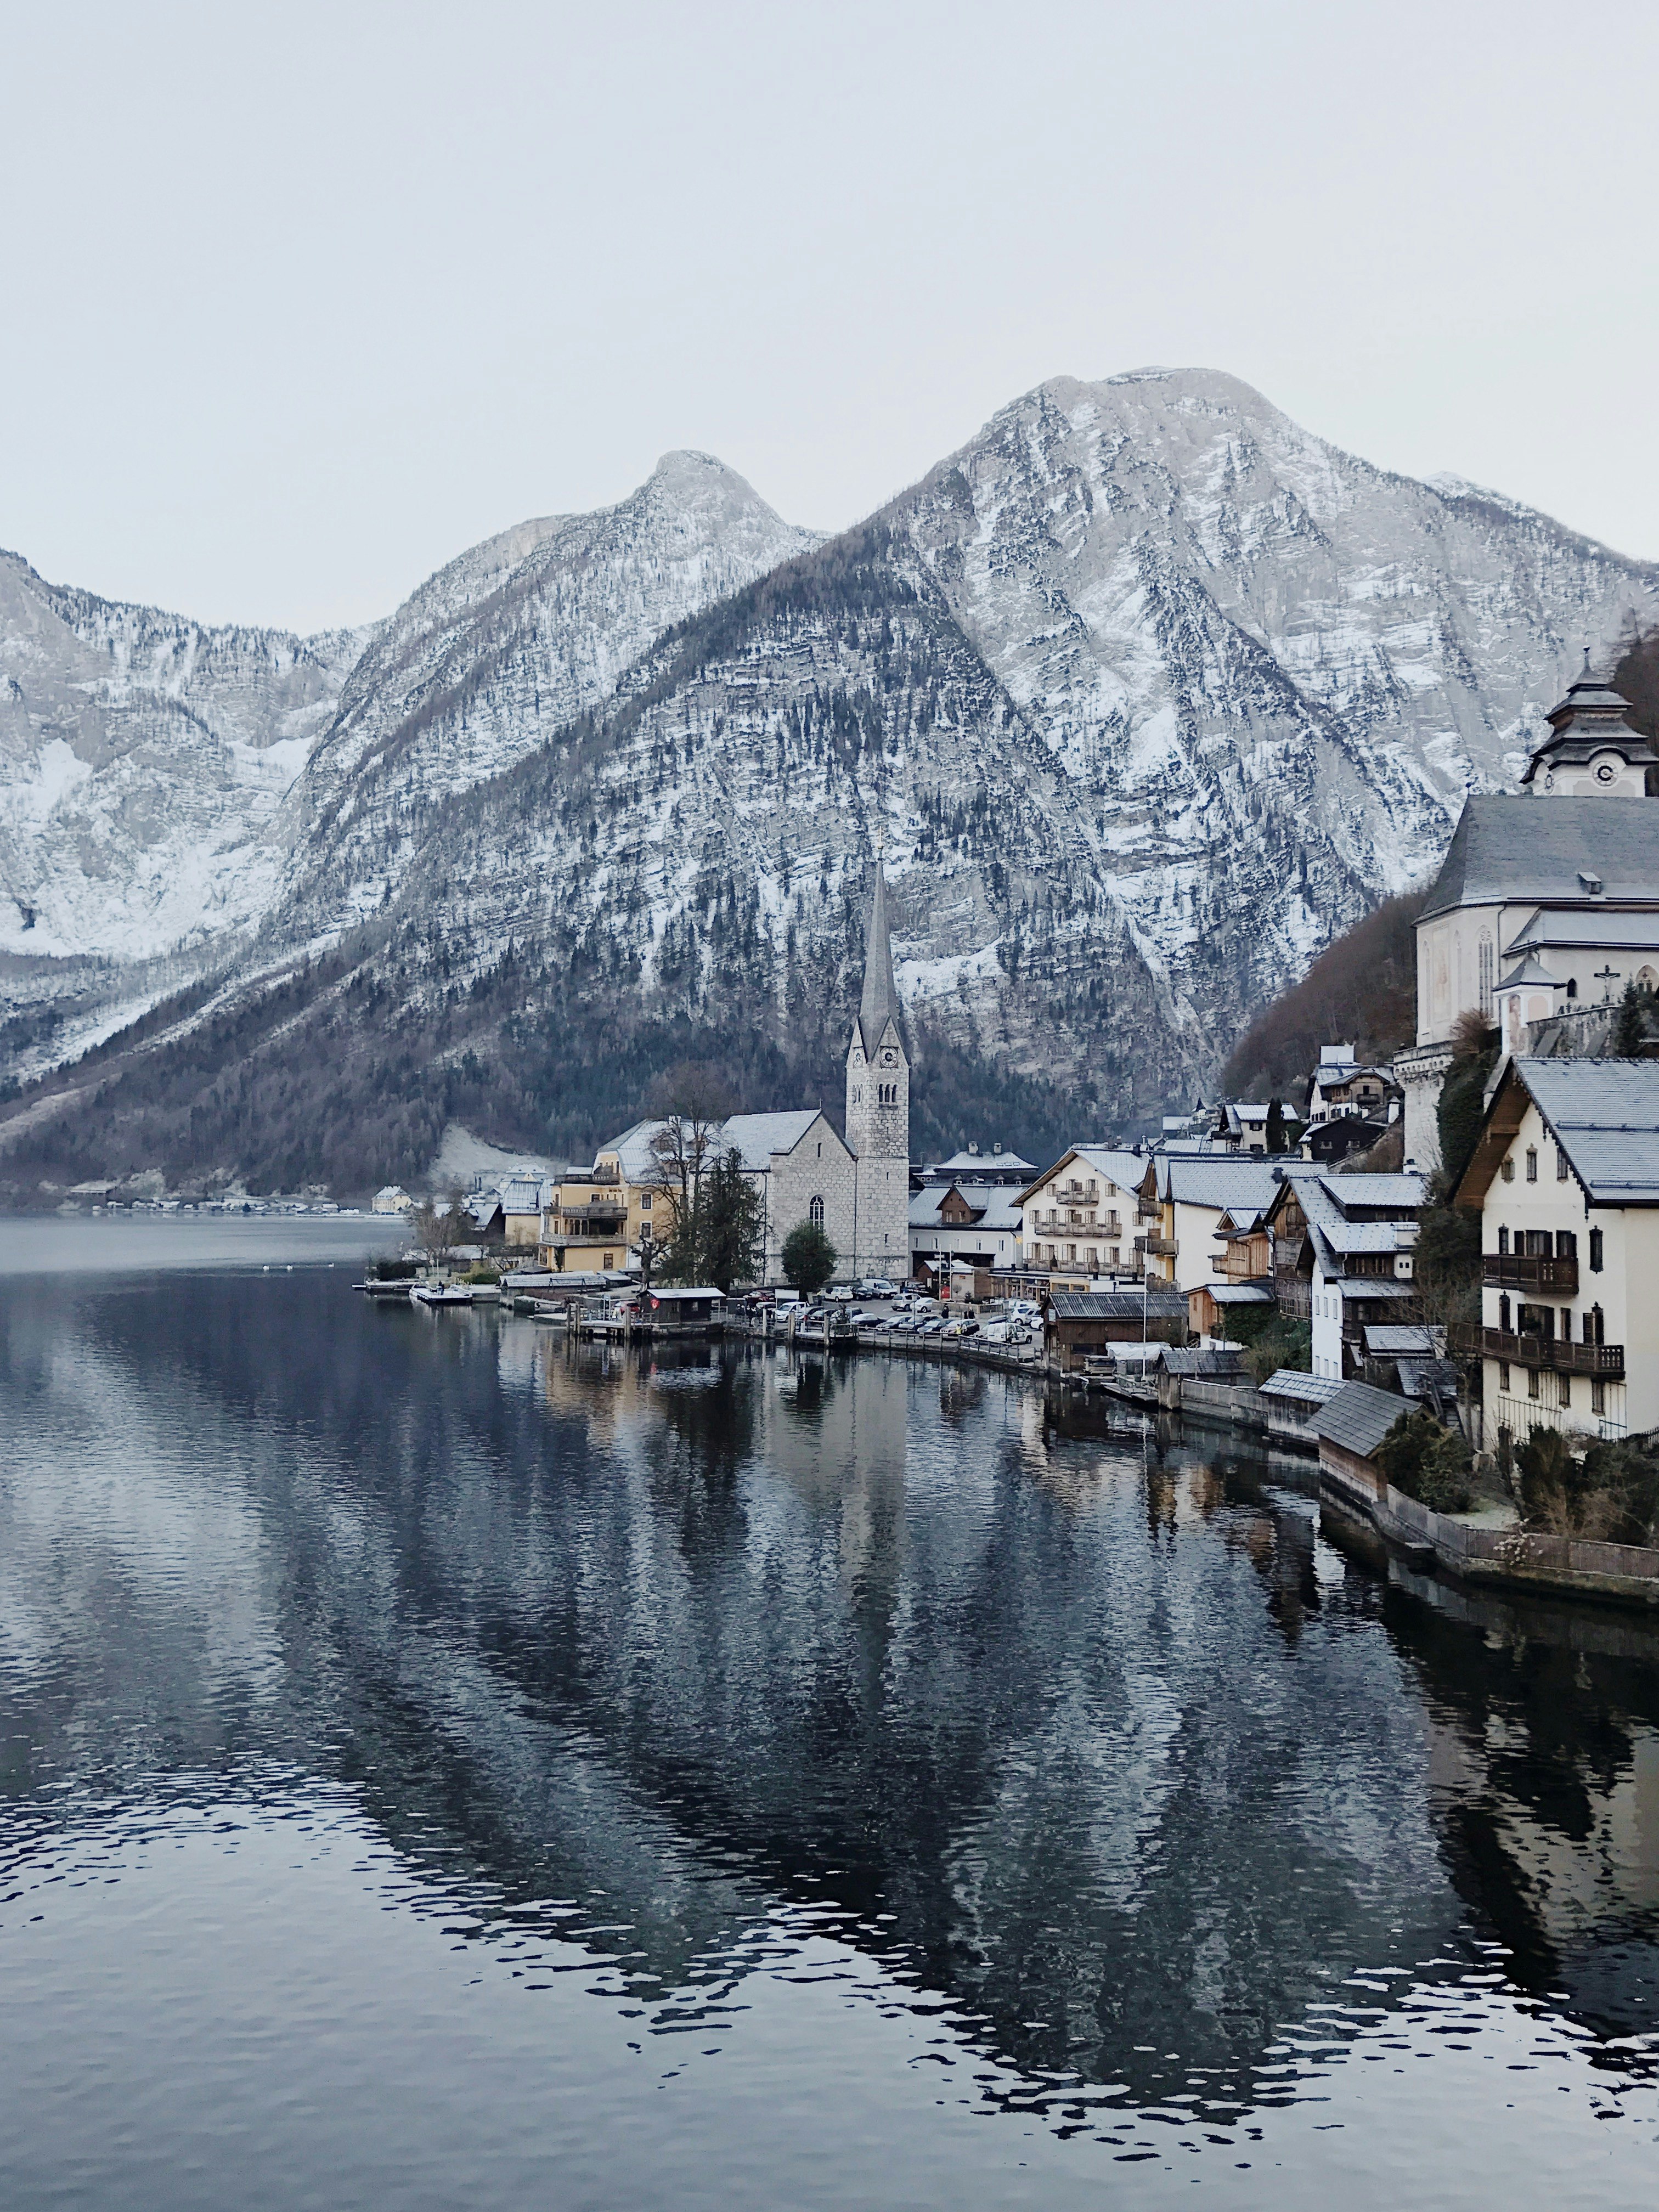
[[1425, 1460], [1609, 1494]]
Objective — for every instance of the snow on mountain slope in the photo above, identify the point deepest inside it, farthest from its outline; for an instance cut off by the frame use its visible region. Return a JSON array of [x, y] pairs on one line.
[[506, 646], [143, 758], [1149, 692]]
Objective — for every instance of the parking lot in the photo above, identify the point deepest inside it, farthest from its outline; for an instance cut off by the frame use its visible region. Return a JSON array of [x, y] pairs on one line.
[[909, 1317]]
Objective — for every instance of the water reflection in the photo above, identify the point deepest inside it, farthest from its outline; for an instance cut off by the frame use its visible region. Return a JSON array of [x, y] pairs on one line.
[[1084, 1734]]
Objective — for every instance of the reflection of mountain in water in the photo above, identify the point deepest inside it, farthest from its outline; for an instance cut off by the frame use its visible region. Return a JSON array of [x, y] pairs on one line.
[[1130, 1761]]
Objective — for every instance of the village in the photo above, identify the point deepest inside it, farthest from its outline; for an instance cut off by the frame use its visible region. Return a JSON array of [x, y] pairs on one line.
[[1441, 1273]]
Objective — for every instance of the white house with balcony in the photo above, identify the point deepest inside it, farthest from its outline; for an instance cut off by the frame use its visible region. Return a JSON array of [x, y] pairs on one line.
[[1354, 1240], [1564, 1176], [1079, 1218]]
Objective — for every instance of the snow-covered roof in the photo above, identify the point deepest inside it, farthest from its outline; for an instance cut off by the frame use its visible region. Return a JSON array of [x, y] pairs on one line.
[[975, 1164], [757, 1137], [1508, 850], [1226, 1184], [1604, 1114], [522, 1194], [1389, 1339]]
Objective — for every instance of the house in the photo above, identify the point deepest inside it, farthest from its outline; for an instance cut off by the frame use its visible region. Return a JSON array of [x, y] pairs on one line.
[[977, 1223], [1350, 1239], [392, 1199], [1564, 1176], [524, 1198], [582, 1226], [997, 1169], [1211, 1305], [1078, 1325], [1343, 1085], [1292, 1398], [1184, 1200], [1552, 895], [1079, 1218]]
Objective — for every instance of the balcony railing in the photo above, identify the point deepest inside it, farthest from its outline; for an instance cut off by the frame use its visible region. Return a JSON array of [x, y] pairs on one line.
[[1515, 1271], [1160, 1248], [1561, 1358]]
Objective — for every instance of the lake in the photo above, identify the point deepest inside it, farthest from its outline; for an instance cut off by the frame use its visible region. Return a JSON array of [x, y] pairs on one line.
[[446, 1767]]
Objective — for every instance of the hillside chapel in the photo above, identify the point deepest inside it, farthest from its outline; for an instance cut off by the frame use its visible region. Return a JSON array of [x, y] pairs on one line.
[[856, 1189], [1546, 905]]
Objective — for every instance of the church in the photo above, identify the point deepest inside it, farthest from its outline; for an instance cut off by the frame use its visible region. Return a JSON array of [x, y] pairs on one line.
[[1546, 905], [856, 1190]]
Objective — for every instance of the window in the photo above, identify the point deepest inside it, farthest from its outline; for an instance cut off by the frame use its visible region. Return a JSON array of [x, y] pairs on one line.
[[1503, 1374], [1572, 987], [1532, 1162], [1598, 1396], [1566, 1244], [1507, 1170], [1595, 1251], [1502, 1241], [645, 1201], [1560, 1165], [1564, 1390], [815, 1213], [1503, 1313], [1532, 1381], [1595, 1322]]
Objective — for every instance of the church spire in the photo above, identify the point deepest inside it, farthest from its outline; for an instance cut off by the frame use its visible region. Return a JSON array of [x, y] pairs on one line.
[[880, 1002]]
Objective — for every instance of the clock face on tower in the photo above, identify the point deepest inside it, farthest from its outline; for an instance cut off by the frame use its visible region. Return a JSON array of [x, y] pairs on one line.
[[1605, 773]]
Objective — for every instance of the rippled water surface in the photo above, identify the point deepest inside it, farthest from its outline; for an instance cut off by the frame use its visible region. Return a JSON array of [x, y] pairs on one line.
[[443, 1767]]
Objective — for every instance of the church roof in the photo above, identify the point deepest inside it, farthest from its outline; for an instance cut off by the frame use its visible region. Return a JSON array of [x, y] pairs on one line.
[[879, 1004], [1509, 851], [1590, 719]]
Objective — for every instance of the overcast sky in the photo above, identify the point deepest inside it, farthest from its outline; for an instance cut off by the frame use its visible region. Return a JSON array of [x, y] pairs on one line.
[[297, 301]]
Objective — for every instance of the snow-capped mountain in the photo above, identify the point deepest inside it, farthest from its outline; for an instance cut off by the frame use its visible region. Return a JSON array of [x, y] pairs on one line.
[[142, 759], [1145, 693]]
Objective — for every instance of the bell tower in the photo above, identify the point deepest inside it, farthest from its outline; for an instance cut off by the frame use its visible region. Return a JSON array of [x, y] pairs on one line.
[[879, 1106], [1591, 752]]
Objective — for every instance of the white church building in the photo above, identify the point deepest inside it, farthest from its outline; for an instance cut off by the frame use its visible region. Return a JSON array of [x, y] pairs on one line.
[[857, 1189], [1547, 903]]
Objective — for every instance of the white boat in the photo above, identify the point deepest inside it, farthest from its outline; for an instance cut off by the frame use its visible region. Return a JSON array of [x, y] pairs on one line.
[[441, 1294]]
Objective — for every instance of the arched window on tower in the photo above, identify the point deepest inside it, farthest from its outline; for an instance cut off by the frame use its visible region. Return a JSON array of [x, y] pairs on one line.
[[815, 1213]]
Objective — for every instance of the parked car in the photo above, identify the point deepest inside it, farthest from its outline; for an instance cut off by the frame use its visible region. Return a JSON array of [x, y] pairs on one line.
[[840, 1294], [881, 1288]]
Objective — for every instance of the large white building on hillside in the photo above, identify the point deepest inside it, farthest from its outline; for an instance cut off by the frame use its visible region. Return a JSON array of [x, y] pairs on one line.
[[1541, 911]]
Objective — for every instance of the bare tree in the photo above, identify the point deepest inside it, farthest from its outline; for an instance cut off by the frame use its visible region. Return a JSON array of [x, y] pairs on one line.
[[694, 1101], [440, 1225]]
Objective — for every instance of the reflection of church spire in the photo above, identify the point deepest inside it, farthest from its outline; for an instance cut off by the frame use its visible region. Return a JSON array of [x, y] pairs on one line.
[[880, 1002]]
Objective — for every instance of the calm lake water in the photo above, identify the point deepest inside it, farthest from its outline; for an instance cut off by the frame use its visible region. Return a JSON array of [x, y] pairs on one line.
[[443, 1768]]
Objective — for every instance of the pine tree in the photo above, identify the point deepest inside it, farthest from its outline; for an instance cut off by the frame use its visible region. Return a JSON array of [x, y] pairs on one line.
[[1630, 1030], [1275, 1125]]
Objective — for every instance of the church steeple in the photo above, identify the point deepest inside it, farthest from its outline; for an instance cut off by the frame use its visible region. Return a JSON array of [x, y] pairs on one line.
[[878, 1105], [879, 1004], [1591, 752]]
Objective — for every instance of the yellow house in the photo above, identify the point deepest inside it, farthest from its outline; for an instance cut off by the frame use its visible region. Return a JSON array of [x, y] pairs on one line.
[[584, 1222]]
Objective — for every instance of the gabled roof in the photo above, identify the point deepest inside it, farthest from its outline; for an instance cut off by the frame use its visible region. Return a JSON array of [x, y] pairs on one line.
[[1290, 1383], [1186, 1359], [1116, 1164], [757, 1136], [975, 1164], [1604, 1115], [1216, 1180], [1390, 1340], [1589, 929], [1358, 1417], [1241, 1294], [1530, 971], [1117, 1305], [522, 1194], [1509, 851]]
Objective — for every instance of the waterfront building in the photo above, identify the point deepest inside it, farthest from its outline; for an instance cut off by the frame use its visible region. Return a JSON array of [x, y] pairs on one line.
[[1081, 1325], [1343, 1085], [1564, 1176], [979, 1223], [1349, 1241], [1183, 1198], [392, 1198], [581, 1228], [1547, 903], [1079, 1218], [524, 1200]]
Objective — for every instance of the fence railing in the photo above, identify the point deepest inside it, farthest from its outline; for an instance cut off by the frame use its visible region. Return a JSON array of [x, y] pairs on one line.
[[1519, 1271], [1554, 1352]]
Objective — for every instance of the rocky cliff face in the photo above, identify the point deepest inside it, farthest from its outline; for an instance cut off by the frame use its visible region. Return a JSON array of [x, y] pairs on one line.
[[1145, 692]]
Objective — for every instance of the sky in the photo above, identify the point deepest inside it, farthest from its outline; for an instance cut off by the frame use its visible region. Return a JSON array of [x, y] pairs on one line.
[[298, 302]]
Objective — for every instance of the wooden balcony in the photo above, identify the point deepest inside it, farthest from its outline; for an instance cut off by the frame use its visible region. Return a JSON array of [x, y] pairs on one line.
[[1514, 1271], [1157, 1247], [1607, 1360]]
